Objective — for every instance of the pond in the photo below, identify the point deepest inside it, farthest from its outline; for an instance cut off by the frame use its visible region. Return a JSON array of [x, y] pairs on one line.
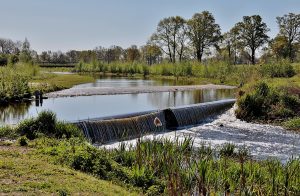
[[85, 107]]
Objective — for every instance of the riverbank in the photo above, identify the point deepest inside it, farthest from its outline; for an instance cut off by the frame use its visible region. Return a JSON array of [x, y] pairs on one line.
[[25, 172], [88, 91], [50, 82], [152, 167]]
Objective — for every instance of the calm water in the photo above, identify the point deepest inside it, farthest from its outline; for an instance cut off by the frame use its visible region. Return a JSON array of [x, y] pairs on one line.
[[110, 81], [84, 107]]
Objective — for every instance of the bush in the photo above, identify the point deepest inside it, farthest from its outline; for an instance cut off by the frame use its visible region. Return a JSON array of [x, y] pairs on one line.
[[278, 69], [28, 128], [67, 130], [23, 141], [3, 60], [7, 132], [46, 121], [293, 123], [264, 102], [47, 124]]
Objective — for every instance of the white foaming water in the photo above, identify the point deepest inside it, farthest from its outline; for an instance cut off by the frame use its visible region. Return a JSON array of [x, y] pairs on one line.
[[263, 141]]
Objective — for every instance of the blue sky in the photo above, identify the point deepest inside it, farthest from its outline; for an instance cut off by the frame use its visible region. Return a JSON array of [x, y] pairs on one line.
[[85, 24]]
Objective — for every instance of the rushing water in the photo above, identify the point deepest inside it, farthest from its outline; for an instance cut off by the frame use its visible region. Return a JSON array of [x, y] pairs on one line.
[[107, 130], [263, 141], [85, 107]]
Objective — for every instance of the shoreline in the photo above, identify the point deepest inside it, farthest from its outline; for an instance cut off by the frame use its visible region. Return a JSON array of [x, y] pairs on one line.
[[71, 92]]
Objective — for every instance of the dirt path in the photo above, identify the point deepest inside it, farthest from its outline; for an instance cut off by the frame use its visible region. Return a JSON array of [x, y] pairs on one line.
[[130, 90]]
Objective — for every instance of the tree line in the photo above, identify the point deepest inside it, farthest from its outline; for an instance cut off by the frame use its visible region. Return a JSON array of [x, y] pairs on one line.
[[201, 36], [177, 39]]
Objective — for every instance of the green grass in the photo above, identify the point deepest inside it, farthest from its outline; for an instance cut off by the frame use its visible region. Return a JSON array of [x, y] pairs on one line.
[[293, 123], [165, 167], [52, 82], [26, 173]]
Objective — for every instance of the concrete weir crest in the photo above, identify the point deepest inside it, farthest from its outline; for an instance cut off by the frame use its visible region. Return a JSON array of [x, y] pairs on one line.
[[129, 126]]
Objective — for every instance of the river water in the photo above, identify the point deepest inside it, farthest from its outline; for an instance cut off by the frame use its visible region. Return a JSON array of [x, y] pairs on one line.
[[85, 107]]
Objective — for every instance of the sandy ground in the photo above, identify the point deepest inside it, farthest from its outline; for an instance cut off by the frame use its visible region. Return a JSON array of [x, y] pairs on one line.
[[130, 90]]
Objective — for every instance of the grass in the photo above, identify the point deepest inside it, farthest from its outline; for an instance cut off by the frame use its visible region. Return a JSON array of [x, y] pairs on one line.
[[153, 167], [277, 102], [51, 82], [293, 123], [26, 173], [165, 167]]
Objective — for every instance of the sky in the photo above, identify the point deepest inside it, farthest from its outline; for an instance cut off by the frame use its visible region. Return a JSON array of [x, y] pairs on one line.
[[84, 24]]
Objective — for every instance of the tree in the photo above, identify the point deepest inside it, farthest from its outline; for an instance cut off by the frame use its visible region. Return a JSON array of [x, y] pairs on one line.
[[73, 56], [25, 55], [289, 27], [170, 37], [231, 44], [181, 40], [151, 53], [7, 46], [132, 53], [114, 53], [279, 47], [252, 34], [203, 32]]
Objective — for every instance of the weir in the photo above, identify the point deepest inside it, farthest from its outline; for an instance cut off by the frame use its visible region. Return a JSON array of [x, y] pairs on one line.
[[125, 127]]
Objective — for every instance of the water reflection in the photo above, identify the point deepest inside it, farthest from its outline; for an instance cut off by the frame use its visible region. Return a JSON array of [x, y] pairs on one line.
[[173, 99], [84, 107], [14, 111], [117, 81]]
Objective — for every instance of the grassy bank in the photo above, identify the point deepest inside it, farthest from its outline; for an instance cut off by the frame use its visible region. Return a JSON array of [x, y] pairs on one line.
[[19, 81], [153, 167], [24, 172], [14, 82], [52, 82], [273, 99]]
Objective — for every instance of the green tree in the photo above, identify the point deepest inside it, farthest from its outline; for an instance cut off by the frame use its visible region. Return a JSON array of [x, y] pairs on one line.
[[169, 36], [132, 53], [231, 45], [25, 55], [289, 26], [252, 34], [279, 47], [151, 53], [203, 32]]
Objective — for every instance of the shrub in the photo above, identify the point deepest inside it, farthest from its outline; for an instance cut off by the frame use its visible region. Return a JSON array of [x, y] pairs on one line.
[[264, 102], [66, 130], [278, 69], [23, 141], [46, 124], [293, 123], [28, 128], [46, 121], [3, 60], [7, 132]]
